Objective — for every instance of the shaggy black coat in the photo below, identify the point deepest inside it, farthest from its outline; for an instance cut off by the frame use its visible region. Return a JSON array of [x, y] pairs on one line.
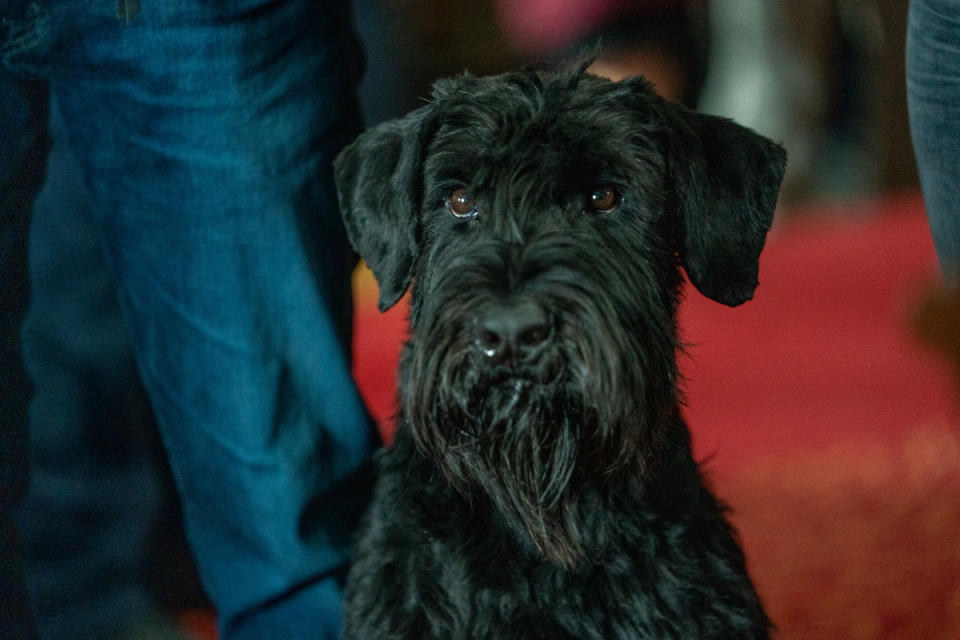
[[552, 497]]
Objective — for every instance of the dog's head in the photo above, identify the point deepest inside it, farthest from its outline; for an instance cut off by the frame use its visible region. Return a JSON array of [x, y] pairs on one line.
[[542, 217]]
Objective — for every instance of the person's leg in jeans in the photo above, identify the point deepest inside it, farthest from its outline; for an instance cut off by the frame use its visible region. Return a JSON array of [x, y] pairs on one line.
[[206, 140], [933, 100]]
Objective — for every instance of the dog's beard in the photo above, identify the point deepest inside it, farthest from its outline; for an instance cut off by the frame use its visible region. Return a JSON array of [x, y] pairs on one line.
[[534, 445], [522, 443]]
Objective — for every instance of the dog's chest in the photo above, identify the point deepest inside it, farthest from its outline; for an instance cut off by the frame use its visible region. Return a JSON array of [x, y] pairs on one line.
[[432, 564], [507, 598], [648, 581]]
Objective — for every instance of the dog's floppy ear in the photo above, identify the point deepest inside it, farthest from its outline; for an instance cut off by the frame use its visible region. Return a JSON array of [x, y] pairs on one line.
[[379, 179], [724, 180]]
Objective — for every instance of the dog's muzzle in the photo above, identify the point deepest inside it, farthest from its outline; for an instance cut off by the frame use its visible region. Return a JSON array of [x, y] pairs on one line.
[[513, 334]]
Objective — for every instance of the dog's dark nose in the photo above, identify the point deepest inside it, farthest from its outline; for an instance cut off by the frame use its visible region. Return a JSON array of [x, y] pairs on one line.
[[516, 331]]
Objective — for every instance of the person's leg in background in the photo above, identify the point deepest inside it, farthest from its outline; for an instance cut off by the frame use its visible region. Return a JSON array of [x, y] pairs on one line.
[[206, 140], [933, 100], [933, 105]]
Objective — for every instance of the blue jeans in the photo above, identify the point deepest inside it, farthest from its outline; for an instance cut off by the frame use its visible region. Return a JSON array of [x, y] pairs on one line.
[[933, 100], [205, 136]]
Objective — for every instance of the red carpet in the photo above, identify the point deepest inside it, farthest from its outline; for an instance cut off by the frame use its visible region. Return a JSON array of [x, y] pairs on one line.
[[828, 427], [857, 541]]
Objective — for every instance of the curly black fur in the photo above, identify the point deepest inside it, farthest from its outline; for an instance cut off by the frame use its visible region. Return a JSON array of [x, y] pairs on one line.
[[557, 497]]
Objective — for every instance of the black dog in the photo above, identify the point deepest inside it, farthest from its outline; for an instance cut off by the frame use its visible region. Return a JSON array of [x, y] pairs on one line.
[[541, 484]]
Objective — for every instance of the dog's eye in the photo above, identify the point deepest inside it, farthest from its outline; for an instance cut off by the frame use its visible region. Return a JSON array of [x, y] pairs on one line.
[[603, 199], [461, 203]]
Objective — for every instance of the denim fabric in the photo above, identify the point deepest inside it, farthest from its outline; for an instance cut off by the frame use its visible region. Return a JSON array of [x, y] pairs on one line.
[[933, 100], [205, 133]]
